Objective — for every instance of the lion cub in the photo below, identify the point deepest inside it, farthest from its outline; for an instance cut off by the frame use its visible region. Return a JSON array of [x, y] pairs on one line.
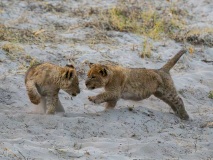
[[43, 82], [135, 84]]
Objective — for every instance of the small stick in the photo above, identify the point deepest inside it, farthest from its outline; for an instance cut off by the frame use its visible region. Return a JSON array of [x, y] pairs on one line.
[[206, 61], [21, 154]]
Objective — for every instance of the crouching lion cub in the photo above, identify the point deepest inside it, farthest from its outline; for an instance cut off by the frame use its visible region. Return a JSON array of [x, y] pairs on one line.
[[135, 84], [43, 82]]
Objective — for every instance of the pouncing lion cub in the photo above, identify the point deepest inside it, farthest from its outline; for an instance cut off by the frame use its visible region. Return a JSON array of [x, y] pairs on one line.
[[135, 84], [43, 82]]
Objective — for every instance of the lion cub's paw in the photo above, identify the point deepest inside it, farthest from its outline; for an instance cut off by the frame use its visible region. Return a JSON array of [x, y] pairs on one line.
[[36, 100], [50, 111], [94, 99]]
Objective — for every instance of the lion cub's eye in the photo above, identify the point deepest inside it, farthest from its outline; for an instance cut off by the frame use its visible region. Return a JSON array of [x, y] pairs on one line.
[[92, 77]]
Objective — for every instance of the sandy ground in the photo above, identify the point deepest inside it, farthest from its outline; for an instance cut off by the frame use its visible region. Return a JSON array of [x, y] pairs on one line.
[[85, 131]]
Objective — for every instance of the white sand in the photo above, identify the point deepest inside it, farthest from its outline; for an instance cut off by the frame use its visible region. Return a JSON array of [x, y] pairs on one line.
[[150, 131]]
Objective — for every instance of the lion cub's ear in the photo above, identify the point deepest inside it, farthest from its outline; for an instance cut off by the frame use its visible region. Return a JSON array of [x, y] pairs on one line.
[[103, 72], [90, 65], [68, 73], [70, 65]]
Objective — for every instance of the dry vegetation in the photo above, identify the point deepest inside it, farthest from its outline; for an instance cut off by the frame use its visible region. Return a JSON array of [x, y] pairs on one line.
[[155, 23], [26, 36], [211, 94], [147, 48], [152, 22], [148, 22], [16, 52], [197, 36]]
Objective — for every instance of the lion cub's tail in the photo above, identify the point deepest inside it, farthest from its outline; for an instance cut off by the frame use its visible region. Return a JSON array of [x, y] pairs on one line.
[[173, 61]]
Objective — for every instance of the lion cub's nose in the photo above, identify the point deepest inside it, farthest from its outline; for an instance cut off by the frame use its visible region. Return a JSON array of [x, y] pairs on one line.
[[78, 91]]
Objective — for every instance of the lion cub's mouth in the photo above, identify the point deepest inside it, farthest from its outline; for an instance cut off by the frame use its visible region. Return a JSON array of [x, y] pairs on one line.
[[91, 88], [74, 94]]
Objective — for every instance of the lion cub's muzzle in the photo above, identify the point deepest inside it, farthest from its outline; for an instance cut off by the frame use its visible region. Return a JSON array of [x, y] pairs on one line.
[[77, 92], [89, 85], [73, 92]]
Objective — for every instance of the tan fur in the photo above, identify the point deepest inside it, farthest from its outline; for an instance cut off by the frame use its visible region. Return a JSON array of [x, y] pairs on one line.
[[43, 82], [135, 84]]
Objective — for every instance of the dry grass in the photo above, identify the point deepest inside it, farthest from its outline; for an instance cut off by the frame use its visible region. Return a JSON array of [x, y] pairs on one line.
[[47, 7], [42, 36], [26, 65], [147, 49], [63, 8], [151, 22], [211, 94], [15, 52], [148, 22], [99, 37], [197, 36], [26, 36]]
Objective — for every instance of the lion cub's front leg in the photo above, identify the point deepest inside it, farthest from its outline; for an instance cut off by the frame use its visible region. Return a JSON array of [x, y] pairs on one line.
[[52, 102], [95, 99], [110, 104], [109, 97]]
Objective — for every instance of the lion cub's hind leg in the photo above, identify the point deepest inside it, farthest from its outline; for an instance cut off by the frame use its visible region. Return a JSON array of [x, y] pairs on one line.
[[32, 92], [43, 104], [174, 101], [110, 105]]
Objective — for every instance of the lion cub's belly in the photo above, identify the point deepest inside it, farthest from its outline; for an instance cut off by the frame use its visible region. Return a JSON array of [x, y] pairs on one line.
[[131, 96], [135, 93], [47, 89]]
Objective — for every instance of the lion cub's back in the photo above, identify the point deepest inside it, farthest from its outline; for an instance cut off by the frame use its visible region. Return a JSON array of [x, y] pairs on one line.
[[30, 71], [144, 78], [38, 71]]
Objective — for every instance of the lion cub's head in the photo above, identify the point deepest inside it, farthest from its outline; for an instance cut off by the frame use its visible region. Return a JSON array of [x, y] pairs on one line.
[[69, 80], [97, 76]]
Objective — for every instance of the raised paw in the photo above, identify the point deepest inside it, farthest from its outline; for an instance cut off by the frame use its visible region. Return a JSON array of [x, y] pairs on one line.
[[184, 116], [94, 99], [35, 100]]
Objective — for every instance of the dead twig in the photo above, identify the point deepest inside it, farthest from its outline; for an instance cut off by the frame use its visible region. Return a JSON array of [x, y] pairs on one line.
[[206, 61], [21, 154]]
